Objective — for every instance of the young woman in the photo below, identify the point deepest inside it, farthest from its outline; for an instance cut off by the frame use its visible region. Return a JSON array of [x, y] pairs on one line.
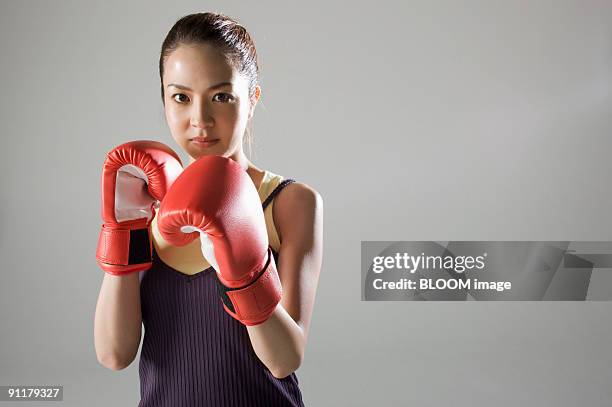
[[196, 352]]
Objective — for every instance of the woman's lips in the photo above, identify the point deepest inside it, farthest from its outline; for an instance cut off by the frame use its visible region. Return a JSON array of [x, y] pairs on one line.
[[204, 141]]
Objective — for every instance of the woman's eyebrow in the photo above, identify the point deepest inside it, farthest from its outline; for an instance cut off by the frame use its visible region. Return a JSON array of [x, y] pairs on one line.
[[219, 85]]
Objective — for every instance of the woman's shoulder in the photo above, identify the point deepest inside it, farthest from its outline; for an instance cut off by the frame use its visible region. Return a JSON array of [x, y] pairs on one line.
[[298, 207], [299, 193], [292, 193]]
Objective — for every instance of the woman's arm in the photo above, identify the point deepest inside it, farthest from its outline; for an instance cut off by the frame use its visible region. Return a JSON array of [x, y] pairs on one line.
[[280, 342], [118, 321]]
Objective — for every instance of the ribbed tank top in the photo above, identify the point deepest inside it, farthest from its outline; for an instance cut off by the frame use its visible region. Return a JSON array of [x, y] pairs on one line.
[[195, 354]]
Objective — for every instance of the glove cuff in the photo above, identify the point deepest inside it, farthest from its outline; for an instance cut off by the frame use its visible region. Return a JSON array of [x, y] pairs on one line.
[[122, 251], [255, 302]]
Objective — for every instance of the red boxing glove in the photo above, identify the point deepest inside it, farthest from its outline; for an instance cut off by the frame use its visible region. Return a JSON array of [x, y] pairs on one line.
[[215, 197], [135, 175]]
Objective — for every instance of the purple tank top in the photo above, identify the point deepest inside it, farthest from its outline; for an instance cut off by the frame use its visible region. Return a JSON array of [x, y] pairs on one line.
[[194, 353]]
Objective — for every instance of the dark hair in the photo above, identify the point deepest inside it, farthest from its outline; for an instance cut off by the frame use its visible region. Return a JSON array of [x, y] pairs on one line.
[[231, 38]]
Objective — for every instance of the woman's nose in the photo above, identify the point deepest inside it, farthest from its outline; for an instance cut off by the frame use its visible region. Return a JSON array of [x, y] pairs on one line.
[[201, 117]]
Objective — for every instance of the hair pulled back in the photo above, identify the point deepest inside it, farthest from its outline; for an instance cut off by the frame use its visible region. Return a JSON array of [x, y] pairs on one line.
[[231, 38]]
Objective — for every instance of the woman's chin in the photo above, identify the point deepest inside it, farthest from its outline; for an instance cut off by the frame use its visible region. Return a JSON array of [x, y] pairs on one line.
[[196, 153]]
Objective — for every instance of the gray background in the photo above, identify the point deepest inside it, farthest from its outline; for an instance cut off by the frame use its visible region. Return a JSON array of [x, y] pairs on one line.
[[473, 120]]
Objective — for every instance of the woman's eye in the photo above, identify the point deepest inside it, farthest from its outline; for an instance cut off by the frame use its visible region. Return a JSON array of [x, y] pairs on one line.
[[180, 98], [223, 97]]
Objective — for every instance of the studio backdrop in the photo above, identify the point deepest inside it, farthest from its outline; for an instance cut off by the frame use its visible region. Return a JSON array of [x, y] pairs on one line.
[[429, 128]]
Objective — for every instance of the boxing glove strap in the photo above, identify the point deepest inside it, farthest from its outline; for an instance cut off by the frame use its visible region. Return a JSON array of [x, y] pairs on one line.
[[122, 251], [253, 303]]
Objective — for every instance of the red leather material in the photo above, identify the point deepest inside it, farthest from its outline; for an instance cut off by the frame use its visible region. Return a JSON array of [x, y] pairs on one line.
[[254, 304], [111, 244], [215, 195], [161, 166], [158, 161]]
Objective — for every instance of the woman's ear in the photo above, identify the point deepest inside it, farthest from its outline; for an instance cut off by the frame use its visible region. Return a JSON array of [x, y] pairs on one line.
[[254, 100]]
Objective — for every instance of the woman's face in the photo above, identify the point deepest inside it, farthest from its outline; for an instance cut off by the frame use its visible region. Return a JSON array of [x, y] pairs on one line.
[[206, 101]]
